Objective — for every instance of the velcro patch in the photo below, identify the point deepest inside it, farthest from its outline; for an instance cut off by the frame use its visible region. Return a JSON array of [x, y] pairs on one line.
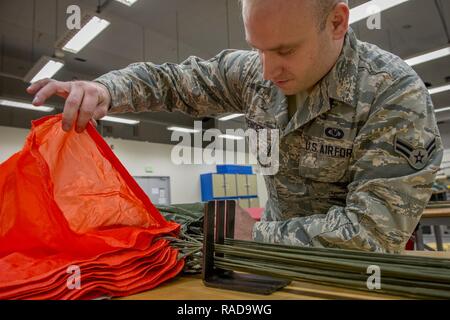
[[417, 157]]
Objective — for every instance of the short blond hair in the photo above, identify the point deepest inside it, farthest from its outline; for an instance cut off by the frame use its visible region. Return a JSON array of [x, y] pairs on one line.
[[322, 8]]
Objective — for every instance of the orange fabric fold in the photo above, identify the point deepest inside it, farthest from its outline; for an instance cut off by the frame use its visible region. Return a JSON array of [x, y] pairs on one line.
[[65, 199]]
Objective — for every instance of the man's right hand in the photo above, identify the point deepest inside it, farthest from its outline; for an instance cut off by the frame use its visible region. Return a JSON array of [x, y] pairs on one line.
[[85, 100]]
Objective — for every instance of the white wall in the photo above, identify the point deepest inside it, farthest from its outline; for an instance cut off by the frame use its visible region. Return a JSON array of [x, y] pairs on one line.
[[135, 156], [444, 130], [184, 179], [11, 141]]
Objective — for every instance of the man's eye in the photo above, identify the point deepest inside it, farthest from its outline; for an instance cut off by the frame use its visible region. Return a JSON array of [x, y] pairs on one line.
[[286, 52]]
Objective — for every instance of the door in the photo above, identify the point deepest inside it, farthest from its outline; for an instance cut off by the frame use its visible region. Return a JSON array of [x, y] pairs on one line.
[[157, 188]]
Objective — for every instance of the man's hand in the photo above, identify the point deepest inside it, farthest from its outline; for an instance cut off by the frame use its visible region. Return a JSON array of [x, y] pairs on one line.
[[85, 100]]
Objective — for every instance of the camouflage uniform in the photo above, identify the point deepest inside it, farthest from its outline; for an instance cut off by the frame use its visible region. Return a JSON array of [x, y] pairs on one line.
[[357, 160]]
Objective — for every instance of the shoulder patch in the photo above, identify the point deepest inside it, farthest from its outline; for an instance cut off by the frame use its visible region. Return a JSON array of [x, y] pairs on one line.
[[417, 156]]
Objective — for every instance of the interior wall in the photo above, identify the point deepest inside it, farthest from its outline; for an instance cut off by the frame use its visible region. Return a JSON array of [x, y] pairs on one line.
[[444, 130], [136, 156]]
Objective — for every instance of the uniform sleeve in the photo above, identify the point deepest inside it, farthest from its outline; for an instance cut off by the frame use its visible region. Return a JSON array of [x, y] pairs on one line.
[[196, 87], [396, 156]]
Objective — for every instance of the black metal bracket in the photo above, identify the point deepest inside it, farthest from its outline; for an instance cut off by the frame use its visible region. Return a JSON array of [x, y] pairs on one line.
[[219, 220]]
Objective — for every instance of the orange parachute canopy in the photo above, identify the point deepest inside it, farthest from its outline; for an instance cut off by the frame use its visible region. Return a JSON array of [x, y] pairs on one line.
[[74, 224]]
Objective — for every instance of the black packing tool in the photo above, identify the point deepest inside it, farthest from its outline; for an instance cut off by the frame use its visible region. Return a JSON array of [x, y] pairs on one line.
[[219, 221]]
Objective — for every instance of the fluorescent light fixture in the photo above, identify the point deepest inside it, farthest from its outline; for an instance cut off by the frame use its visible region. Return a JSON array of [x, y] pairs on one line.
[[24, 105], [440, 89], [374, 6], [231, 116], [180, 129], [45, 67], [365, 10], [434, 55], [442, 110], [127, 2], [75, 40], [230, 137], [120, 120]]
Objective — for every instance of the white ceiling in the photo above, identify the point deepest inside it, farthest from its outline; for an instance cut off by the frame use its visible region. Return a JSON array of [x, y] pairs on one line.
[[171, 30]]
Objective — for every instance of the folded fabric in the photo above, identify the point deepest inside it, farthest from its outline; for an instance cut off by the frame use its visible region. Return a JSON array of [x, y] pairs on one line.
[[66, 200]]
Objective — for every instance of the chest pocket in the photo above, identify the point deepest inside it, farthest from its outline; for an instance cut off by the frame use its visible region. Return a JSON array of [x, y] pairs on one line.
[[325, 160]]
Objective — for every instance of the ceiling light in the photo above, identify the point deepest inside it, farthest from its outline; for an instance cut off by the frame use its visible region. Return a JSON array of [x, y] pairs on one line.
[[231, 116], [180, 129], [434, 55], [127, 2], [230, 137], [75, 40], [24, 105], [120, 120], [441, 110], [46, 67], [365, 10], [440, 89]]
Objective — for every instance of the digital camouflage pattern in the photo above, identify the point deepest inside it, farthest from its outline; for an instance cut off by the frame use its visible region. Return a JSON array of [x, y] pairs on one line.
[[357, 160]]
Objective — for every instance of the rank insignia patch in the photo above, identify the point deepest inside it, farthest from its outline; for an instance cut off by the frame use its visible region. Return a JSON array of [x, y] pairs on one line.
[[417, 157]]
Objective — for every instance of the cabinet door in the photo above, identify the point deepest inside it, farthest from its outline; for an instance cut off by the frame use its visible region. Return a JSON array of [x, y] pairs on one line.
[[252, 185], [241, 184], [230, 185], [254, 202], [218, 185]]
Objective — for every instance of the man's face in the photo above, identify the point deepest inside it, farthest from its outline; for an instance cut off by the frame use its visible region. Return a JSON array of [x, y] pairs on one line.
[[295, 54]]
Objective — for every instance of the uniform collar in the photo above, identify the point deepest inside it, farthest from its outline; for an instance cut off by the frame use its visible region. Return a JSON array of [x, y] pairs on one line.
[[341, 81], [339, 84]]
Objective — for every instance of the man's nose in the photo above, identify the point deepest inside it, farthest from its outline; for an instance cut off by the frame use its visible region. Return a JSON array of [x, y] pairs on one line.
[[271, 66]]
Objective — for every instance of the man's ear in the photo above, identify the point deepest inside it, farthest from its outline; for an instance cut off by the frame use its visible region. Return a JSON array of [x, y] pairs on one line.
[[339, 20]]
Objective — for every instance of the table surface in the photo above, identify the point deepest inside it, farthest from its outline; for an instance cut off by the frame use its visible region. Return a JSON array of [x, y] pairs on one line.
[[192, 288], [436, 213]]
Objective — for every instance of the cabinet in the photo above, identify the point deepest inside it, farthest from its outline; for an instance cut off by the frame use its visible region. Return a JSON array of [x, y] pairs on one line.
[[229, 186]]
